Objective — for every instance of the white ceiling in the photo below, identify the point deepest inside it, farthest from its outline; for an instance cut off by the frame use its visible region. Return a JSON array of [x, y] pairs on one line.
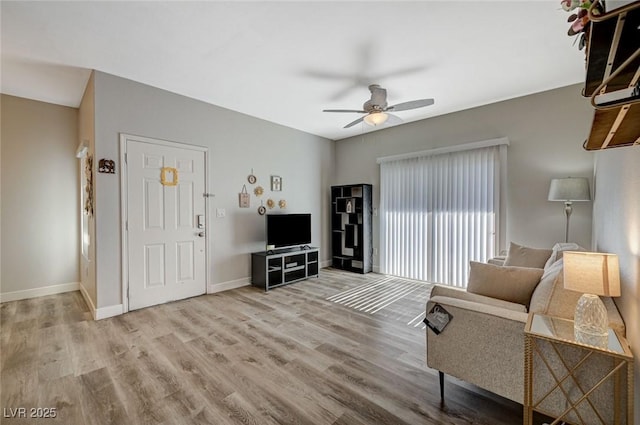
[[286, 61]]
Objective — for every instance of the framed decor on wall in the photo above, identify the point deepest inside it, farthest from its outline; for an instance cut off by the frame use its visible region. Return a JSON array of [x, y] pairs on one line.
[[276, 183]]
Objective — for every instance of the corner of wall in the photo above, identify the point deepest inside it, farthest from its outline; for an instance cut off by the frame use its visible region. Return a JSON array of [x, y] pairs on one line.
[[616, 224]]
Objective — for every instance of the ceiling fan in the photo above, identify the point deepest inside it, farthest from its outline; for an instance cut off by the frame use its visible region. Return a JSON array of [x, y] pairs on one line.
[[376, 108]]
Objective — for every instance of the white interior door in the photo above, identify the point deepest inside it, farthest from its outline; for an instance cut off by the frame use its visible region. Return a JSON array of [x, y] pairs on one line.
[[166, 246]]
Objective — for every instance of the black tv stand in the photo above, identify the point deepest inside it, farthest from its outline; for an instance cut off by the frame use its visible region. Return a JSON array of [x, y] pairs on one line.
[[270, 269]]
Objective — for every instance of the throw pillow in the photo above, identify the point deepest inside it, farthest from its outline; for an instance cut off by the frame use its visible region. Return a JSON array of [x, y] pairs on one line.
[[541, 297], [558, 249], [522, 256], [508, 283]]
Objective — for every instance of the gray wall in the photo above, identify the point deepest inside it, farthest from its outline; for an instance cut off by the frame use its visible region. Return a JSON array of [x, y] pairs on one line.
[[40, 207], [546, 131], [237, 144], [616, 229]]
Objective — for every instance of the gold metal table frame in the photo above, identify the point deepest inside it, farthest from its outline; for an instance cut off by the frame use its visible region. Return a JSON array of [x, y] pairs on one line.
[[559, 332]]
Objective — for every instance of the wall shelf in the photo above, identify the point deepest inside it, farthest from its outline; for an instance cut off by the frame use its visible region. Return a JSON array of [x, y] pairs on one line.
[[613, 77]]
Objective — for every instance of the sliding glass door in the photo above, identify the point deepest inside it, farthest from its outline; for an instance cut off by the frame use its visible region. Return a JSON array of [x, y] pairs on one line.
[[439, 211]]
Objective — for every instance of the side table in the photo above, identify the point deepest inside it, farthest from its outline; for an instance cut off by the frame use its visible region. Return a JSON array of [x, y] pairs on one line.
[[542, 332]]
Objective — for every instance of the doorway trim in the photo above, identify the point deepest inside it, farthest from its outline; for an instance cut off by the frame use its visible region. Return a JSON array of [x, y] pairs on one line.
[[124, 261]]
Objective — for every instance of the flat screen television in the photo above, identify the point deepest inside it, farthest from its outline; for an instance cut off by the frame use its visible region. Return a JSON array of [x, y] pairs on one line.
[[288, 230]]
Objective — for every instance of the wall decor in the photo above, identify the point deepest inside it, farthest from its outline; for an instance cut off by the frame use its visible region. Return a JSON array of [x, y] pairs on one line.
[[251, 178], [261, 209], [276, 183], [258, 191], [243, 197], [270, 203], [107, 166], [172, 172], [282, 204], [88, 175]]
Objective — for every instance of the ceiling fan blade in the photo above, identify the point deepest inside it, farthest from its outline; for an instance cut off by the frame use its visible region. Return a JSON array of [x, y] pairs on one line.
[[404, 106], [344, 110], [399, 72], [352, 123]]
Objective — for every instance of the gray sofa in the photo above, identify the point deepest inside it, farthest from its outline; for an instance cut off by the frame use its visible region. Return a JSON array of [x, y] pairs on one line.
[[483, 344]]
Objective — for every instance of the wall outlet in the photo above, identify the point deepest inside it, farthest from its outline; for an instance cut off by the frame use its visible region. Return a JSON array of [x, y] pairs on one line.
[[375, 212], [221, 213]]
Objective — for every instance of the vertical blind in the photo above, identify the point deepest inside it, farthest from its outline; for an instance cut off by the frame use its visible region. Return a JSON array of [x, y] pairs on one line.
[[438, 212]]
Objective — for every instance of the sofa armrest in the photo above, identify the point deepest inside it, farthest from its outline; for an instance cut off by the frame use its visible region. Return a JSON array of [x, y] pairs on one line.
[[448, 291], [482, 344]]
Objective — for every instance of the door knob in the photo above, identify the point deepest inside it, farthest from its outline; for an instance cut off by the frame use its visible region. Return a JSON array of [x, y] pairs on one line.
[[201, 234]]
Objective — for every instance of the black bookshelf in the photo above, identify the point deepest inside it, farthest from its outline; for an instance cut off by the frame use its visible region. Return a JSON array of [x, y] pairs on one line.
[[352, 227]]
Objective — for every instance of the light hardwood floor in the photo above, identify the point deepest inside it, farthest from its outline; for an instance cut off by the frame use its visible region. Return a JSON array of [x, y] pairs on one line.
[[289, 356]]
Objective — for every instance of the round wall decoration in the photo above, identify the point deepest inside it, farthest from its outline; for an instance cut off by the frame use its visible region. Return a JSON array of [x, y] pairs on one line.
[[270, 203], [258, 191], [282, 203], [251, 178], [262, 210]]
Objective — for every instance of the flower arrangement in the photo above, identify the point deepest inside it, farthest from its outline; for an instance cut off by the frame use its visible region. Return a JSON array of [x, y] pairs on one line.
[[579, 19]]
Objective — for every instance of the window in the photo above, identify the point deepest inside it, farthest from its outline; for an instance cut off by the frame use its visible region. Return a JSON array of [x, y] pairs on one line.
[[439, 210]]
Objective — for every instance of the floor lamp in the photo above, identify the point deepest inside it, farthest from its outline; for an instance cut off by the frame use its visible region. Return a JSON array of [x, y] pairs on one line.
[[569, 190]]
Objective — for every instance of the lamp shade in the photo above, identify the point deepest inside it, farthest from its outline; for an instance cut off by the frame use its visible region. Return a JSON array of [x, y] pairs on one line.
[[569, 189], [594, 273], [376, 118]]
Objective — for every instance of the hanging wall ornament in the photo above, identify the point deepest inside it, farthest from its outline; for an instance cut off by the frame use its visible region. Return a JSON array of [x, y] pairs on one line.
[[258, 191], [282, 204], [261, 209], [166, 173], [88, 174], [107, 166], [243, 197], [251, 178], [270, 203]]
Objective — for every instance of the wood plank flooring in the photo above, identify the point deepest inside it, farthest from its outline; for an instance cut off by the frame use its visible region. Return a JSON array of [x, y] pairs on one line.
[[289, 356]]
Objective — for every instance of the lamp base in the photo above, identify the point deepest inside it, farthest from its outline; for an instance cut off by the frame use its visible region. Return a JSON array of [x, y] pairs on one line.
[[591, 323]]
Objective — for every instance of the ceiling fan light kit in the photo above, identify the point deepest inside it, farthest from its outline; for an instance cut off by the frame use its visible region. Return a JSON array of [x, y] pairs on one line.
[[376, 118], [376, 108]]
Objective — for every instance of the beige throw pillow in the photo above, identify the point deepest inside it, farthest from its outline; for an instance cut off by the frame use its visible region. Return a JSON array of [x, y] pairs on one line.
[[522, 256], [557, 251], [514, 284]]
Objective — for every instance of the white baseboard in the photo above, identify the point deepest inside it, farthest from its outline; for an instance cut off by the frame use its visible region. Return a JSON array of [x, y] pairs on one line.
[[88, 300], [109, 311], [39, 292], [225, 286]]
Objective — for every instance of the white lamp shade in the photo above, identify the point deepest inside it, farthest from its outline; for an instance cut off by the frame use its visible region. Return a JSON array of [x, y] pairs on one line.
[[594, 273], [376, 118], [569, 189]]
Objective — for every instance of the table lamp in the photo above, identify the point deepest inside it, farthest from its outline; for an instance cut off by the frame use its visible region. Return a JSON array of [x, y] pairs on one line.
[[593, 274], [569, 190]]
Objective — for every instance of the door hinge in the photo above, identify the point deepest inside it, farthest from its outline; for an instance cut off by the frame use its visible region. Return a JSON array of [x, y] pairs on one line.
[[125, 157], [126, 225]]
